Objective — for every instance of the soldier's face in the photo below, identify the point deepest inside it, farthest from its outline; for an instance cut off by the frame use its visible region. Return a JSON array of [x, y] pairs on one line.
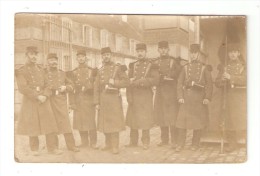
[[32, 57], [106, 57], [163, 51], [81, 58], [194, 56], [141, 54], [233, 55], [53, 62]]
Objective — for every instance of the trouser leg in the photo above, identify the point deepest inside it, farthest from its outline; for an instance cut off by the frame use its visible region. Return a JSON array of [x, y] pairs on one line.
[[93, 137], [84, 135], [52, 142], [165, 135], [196, 138], [174, 135], [115, 140], [134, 135], [108, 140], [34, 143], [84, 138], [146, 137], [181, 137], [69, 139]]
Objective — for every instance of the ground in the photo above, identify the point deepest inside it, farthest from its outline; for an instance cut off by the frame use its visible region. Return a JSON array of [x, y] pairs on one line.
[[208, 153]]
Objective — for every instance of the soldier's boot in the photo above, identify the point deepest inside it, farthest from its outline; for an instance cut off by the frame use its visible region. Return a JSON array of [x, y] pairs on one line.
[[174, 136], [164, 136], [232, 141], [93, 139], [34, 145], [180, 139], [70, 142], [196, 140], [146, 139], [84, 139], [115, 143], [134, 135], [108, 142], [53, 144]]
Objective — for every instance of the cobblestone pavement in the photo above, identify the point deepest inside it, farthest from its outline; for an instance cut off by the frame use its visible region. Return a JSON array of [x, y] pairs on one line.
[[208, 153]]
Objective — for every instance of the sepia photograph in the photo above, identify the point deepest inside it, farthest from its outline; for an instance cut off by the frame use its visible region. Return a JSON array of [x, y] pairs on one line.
[[124, 88]]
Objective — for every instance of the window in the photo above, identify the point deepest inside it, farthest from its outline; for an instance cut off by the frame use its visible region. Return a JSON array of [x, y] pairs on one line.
[[87, 35], [104, 38], [66, 63], [65, 33], [118, 43]]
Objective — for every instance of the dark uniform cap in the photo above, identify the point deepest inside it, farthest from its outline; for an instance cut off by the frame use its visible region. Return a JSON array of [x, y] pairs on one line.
[[105, 50], [141, 46], [81, 52], [32, 49], [52, 55], [163, 44], [194, 48], [233, 47]]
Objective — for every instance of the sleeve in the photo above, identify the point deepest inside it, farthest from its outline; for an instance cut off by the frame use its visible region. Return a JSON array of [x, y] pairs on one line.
[[208, 85], [23, 87], [97, 90], [175, 70], [122, 80], [71, 94], [152, 78], [180, 84], [239, 79]]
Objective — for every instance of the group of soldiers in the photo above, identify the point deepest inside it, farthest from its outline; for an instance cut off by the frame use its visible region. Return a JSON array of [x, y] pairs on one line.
[[160, 92]]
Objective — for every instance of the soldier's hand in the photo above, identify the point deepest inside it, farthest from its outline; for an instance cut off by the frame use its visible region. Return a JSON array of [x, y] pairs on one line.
[[205, 101], [181, 101], [97, 107], [226, 76], [41, 98], [62, 88], [111, 81]]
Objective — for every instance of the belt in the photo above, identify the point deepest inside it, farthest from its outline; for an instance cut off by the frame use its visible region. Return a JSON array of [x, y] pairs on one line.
[[57, 92]]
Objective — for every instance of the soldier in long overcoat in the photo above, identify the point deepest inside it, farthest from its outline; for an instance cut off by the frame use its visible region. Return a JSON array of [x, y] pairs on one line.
[[81, 101], [194, 91], [59, 85], [166, 105], [36, 116], [232, 77], [110, 78], [144, 76]]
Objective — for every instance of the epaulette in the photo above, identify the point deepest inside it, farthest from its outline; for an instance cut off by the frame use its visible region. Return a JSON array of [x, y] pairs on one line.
[[18, 69]]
